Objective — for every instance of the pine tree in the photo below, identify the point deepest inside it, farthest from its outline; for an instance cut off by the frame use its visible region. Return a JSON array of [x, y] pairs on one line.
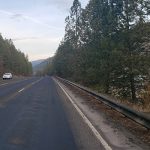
[[107, 45], [73, 24]]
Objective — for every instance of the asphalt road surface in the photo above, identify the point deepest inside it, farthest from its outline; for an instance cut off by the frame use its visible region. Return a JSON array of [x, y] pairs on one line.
[[37, 114], [32, 117]]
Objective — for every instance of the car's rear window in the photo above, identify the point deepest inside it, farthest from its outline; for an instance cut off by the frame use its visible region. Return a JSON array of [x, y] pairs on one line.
[[7, 73]]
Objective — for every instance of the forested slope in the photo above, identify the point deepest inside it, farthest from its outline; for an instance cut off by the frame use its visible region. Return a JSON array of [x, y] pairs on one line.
[[107, 46], [43, 67], [13, 60]]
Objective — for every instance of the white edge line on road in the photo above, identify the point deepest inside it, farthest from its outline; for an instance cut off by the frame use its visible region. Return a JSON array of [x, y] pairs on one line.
[[96, 133]]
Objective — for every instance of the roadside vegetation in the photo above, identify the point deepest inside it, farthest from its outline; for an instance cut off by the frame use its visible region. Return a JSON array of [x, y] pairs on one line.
[[13, 60], [106, 46]]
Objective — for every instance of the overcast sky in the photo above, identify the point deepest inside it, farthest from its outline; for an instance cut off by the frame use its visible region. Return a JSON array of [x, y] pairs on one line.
[[35, 26]]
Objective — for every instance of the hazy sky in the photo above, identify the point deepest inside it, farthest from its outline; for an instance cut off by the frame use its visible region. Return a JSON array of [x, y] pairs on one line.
[[35, 26]]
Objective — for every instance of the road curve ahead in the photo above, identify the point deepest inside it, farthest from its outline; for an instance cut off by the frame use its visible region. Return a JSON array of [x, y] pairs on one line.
[[32, 117]]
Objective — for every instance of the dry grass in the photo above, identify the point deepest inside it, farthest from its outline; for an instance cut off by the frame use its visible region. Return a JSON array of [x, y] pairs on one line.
[[146, 98], [116, 118], [142, 105]]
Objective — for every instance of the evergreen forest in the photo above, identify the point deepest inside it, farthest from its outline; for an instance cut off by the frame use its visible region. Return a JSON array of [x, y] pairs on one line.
[[106, 46], [13, 60]]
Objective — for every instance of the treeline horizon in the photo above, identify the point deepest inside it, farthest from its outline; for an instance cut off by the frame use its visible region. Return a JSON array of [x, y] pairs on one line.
[[13, 60], [106, 47]]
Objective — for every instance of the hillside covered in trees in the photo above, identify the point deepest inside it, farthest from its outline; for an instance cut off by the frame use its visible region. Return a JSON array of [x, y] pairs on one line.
[[107, 46], [13, 60], [43, 67]]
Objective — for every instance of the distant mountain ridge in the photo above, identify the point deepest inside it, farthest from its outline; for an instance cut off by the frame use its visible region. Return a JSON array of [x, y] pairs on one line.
[[36, 62], [40, 65]]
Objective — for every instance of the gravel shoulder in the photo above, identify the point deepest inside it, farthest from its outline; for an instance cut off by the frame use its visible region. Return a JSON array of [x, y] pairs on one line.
[[119, 131], [83, 136]]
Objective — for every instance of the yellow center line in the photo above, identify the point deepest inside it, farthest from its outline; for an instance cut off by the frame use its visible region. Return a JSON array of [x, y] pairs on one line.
[[12, 82], [4, 101], [3, 84]]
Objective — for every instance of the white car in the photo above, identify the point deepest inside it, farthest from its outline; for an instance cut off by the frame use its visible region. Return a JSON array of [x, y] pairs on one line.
[[7, 76]]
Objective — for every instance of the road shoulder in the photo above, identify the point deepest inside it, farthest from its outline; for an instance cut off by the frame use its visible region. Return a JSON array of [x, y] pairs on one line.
[[117, 136]]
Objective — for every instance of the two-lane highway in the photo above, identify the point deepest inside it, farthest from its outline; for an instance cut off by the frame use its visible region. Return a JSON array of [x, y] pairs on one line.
[[33, 118], [7, 89]]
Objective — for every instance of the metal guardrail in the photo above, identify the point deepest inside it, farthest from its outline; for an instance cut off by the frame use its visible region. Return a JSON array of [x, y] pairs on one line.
[[128, 112]]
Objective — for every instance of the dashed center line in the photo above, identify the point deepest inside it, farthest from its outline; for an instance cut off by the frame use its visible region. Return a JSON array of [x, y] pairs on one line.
[[21, 90], [5, 100], [29, 86]]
